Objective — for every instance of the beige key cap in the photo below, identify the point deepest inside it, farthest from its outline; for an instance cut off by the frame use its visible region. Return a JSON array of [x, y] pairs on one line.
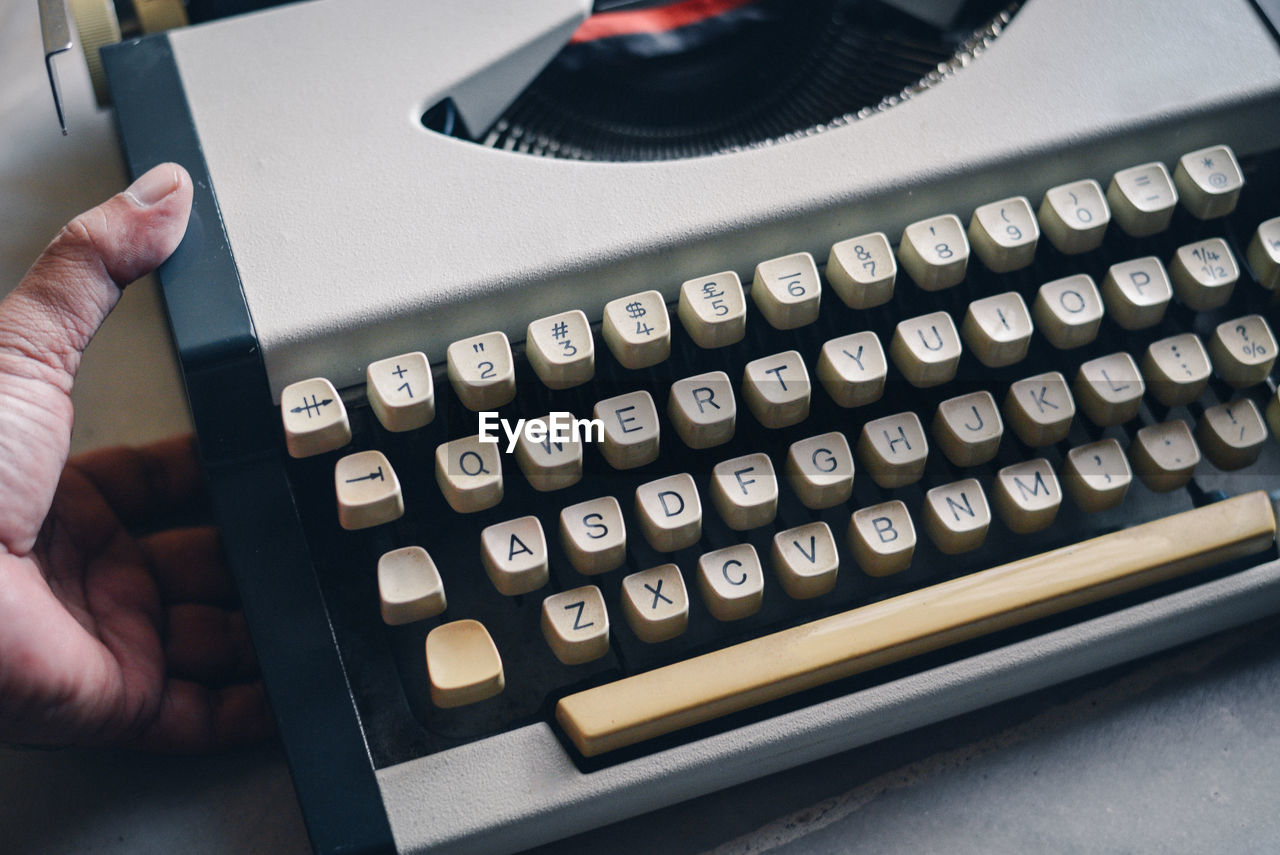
[[893, 450], [482, 371], [631, 432], [514, 554], [549, 452], [1004, 234], [926, 349], [561, 350], [1027, 496], [852, 369], [935, 252], [594, 535], [1142, 199], [368, 490], [777, 389], [805, 560], [787, 291], [1176, 369], [1040, 409], [1204, 274], [463, 665], [882, 538], [1097, 475], [731, 582], [820, 470], [1074, 216], [637, 329], [1209, 182], [1232, 435], [968, 428], [745, 491], [1243, 351], [400, 391], [1109, 389], [670, 512], [702, 688], [703, 409], [655, 603], [997, 329], [576, 625], [469, 473], [1137, 292], [315, 420], [956, 516], [713, 310], [409, 586], [1164, 455], [1264, 254], [862, 271], [1068, 311], [1273, 414]]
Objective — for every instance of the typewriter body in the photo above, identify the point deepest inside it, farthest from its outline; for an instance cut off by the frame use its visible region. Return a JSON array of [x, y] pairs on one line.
[[332, 230]]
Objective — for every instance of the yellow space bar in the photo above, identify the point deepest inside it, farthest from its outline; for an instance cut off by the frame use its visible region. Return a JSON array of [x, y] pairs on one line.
[[685, 693]]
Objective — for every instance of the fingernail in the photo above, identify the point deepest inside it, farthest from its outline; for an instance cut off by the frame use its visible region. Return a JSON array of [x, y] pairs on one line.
[[153, 185]]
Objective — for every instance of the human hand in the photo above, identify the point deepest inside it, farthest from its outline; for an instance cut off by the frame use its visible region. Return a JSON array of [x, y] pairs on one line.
[[111, 631]]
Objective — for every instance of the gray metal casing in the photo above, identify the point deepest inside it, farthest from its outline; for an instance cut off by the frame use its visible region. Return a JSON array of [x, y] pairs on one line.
[[386, 238]]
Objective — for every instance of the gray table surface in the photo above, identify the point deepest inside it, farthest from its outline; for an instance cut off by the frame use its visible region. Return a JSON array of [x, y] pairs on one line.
[[1177, 753]]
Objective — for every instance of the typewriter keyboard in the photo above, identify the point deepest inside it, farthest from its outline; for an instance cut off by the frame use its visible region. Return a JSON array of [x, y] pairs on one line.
[[668, 519]]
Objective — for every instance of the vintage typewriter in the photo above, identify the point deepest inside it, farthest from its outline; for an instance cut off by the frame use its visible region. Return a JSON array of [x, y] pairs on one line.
[[932, 348]]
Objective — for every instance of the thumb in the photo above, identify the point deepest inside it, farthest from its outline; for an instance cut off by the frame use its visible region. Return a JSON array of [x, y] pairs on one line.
[[67, 293], [47, 321]]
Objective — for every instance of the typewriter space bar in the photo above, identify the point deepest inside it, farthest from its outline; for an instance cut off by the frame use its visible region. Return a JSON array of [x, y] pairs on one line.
[[695, 690]]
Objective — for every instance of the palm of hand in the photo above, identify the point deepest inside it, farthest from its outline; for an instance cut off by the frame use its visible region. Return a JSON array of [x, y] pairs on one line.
[[122, 638], [115, 626]]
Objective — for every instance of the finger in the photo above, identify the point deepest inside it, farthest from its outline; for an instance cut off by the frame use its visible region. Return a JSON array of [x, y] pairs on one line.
[[146, 483], [209, 644], [189, 566], [59, 305], [195, 719]]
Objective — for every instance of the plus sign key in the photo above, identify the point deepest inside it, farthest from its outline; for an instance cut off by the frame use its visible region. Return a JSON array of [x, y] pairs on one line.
[[400, 391], [315, 421]]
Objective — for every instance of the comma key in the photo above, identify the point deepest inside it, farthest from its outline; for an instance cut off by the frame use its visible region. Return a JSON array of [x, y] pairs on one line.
[[1097, 475]]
